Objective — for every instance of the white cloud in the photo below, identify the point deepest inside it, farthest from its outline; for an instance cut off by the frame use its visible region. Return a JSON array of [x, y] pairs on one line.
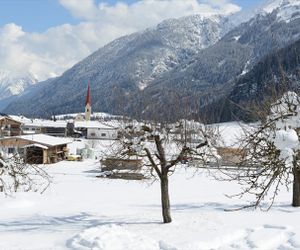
[[50, 53], [80, 9]]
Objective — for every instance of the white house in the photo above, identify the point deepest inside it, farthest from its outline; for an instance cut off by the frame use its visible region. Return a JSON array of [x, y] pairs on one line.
[[96, 130]]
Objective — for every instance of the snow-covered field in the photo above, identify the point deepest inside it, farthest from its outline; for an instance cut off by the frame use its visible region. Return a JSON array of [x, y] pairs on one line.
[[79, 211]]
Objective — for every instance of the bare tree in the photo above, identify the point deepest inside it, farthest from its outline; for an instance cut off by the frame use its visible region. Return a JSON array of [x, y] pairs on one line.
[[16, 175], [162, 147], [271, 153]]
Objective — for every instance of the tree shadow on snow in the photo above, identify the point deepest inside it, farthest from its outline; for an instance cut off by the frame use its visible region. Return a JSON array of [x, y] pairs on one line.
[[56, 223], [225, 207]]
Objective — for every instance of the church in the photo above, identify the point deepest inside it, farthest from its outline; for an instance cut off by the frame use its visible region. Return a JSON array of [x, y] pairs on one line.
[[88, 106], [93, 129]]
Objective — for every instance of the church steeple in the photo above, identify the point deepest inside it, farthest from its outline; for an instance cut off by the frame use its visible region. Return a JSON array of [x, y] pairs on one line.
[[88, 105]]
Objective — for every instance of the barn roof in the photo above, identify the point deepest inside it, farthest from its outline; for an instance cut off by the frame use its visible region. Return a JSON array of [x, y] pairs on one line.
[[43, 139]]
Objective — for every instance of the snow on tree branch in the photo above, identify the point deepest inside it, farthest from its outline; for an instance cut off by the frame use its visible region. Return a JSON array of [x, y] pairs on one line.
[[162, 147], [271, 153], [16, 175]]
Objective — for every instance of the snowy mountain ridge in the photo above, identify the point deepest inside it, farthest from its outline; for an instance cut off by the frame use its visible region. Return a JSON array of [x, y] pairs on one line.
[[142, 72], [11, 84], [182, 38], [286, 10], [188, 36], [270, 5], [129, 64]]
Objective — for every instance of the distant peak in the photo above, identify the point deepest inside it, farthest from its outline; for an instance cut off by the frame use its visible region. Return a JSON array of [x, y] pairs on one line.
[[271, 5]]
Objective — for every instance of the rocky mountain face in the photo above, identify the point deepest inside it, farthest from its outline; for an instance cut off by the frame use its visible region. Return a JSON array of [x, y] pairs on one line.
[[173, 70]]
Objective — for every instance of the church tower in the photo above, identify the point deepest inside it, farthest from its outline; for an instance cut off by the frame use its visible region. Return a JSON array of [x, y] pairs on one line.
[[88, 107]]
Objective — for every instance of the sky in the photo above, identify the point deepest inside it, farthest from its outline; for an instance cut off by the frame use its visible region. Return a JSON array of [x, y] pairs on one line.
[[45, 37], [39, 15]]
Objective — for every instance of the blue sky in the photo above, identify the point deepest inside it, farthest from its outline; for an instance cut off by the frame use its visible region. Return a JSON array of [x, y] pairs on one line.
[[38, 15], [46, 37], [247, 3]]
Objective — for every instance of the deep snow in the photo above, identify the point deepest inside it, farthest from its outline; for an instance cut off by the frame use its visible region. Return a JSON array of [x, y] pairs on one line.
[[79, 211]]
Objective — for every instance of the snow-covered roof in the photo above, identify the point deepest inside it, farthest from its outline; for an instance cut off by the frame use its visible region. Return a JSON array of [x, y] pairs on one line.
[[39, 122], [45, 139], [3, 116], [46, 123], [21, 118], [91, 124], [36, 145], [93, 115]]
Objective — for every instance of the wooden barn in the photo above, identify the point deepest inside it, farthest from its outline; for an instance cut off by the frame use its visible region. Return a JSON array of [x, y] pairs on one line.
[[36, 148], [231, 156]]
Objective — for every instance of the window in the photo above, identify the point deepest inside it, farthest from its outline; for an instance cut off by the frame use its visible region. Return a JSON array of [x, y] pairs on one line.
[[11, 150], [103, 134], [93, 134]]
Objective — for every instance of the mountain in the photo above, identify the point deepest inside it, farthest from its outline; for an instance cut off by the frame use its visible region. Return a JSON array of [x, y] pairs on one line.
[[209, 77], [126, 66], [286, 8], [276, 73], [11, 85], [173, 70]]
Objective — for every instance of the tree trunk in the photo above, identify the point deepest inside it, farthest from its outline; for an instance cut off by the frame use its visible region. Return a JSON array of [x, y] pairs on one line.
[[165, 200], [296, 188]]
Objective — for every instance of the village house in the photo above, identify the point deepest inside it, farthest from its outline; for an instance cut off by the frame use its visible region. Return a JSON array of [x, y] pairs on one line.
[[41, 126], [35, 148], [48, 127], [96, 130], [9, 126]]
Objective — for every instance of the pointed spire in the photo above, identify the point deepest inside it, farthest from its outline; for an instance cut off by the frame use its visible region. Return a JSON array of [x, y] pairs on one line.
[[88, 95], [88, 105]]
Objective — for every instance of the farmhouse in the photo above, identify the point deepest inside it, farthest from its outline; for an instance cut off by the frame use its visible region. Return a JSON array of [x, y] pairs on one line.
[[9, 126], [36, 148]]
